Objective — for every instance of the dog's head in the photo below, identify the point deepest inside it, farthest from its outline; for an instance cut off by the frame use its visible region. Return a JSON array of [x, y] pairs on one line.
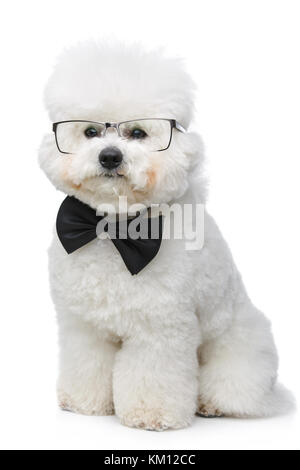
[[148, 158]]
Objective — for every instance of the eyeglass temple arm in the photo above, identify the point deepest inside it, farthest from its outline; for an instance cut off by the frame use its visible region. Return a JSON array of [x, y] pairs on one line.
[[179, 127]]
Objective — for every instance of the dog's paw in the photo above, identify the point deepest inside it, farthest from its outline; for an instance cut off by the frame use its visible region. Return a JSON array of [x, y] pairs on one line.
[[152, 420], [68, 403], [208, 411]]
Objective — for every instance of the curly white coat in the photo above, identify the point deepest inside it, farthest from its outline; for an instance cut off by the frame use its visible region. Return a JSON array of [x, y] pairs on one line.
[[182, 336]]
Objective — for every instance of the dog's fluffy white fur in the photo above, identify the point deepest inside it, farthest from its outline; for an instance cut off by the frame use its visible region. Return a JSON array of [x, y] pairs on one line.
[[182, 336]]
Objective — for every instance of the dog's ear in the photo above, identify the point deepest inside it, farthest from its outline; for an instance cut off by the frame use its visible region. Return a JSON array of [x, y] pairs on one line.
[[193, 149], [197, 175]]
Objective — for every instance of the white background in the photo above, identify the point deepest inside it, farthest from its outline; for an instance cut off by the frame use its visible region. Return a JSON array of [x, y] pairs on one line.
[[244, 55]]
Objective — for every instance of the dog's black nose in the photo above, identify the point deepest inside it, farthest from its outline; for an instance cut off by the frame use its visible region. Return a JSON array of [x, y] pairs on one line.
[[110, 157]]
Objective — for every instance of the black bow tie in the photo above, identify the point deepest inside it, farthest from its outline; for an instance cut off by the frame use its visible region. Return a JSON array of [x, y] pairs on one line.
[[76, 226]]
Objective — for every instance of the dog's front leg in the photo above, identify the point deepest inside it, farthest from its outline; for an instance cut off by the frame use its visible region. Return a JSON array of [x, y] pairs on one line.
[[155, 379], [86, 364]]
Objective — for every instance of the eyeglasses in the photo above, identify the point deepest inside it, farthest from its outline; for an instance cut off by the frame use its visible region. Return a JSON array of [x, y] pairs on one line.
[[153, 134]]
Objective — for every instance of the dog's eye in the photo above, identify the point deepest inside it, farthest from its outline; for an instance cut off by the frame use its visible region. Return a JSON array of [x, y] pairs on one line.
[[138, 134], [91, 132]]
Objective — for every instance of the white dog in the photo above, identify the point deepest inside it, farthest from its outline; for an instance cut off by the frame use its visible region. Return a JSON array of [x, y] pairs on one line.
[[181, 336]]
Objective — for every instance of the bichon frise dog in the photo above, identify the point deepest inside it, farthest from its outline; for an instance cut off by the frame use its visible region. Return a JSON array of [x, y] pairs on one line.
[[155, 333]]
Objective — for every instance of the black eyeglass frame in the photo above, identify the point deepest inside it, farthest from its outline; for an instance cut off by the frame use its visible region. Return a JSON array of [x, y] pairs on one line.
[[116, 125]]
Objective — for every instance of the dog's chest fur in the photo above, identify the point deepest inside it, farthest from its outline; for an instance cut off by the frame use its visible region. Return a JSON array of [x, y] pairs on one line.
[[95, 284]]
